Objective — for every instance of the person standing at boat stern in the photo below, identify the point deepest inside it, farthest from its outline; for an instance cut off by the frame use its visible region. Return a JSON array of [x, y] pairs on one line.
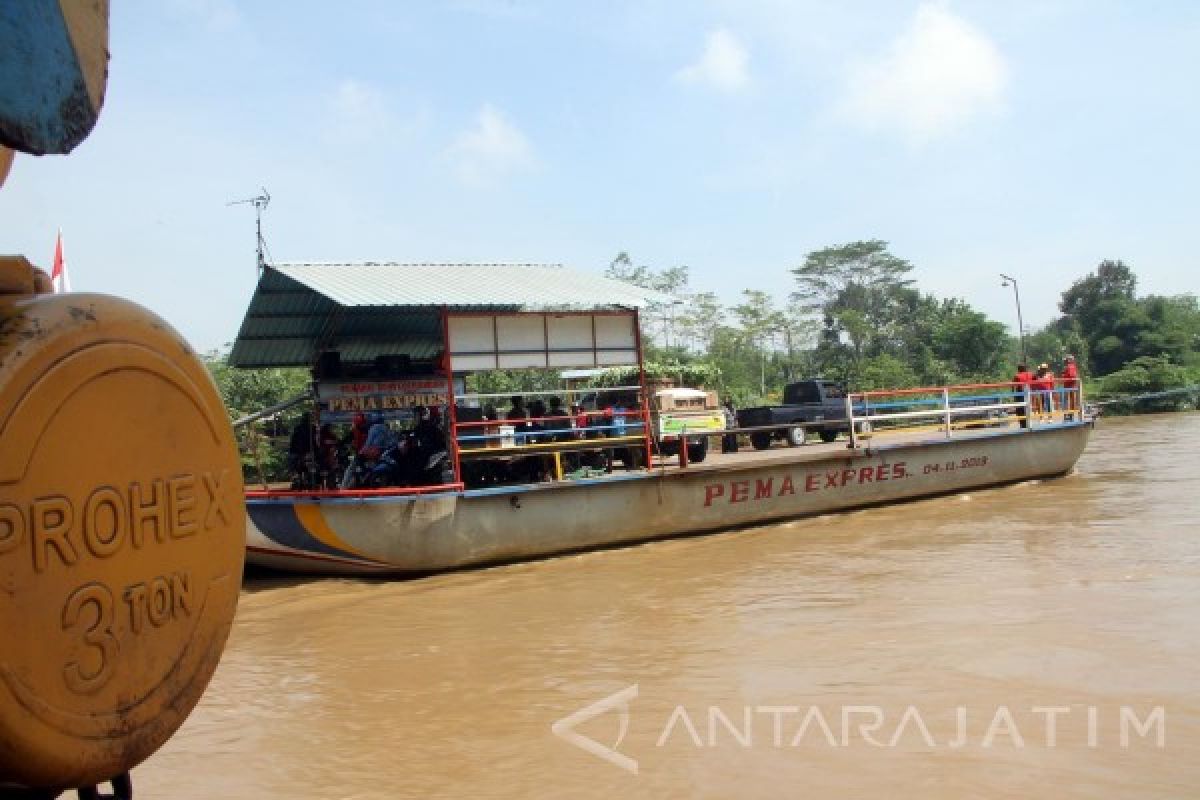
[[301, 445], [1022, 382], [729, 442], [1043, 383], [1070, 383]]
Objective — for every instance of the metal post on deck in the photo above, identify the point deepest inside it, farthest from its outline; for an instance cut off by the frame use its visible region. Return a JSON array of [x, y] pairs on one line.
[[637, 335], [946, 405], [451, 414], [1025, 390], [850, 419], [683, 453]]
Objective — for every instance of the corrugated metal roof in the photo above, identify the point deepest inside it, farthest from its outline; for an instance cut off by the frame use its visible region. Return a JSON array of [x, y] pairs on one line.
[[370, 309], [529, 287]]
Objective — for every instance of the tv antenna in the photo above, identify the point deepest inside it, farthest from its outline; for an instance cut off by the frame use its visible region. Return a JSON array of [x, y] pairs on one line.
[[259, 202]]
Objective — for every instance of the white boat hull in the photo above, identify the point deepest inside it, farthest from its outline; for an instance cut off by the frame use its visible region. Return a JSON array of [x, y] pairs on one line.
[[431, 533]]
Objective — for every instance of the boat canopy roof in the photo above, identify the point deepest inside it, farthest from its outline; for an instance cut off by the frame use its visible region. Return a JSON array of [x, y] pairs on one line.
[[370, 309]]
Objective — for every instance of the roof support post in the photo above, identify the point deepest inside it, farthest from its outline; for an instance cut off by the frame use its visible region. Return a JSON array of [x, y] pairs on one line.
[[451, 414], [641, 360]]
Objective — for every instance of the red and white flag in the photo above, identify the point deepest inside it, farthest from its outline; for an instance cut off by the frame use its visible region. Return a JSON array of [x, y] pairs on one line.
[[58, 276]]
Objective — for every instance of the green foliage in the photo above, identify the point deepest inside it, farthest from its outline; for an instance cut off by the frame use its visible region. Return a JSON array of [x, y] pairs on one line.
[[695, 375], [246, 391], [700, 319], [660, 322], [975, 345], [827, 274], [1174, 328], [1145, 375], [1134, 344], [1115, 327], [882, 372], [876, 328], [512, 381]]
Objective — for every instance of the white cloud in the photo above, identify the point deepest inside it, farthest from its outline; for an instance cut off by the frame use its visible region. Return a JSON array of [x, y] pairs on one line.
[[724, 65], [933, 79], [360, 113], [491, 149]]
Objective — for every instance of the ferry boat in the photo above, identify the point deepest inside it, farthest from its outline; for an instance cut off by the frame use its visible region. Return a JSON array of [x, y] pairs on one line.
[[389, 338]]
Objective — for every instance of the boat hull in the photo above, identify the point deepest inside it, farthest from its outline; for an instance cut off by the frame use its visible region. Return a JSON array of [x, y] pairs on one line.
[[431, 533]]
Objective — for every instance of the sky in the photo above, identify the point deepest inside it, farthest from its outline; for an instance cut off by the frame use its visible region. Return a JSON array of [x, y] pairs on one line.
[[730, 136]]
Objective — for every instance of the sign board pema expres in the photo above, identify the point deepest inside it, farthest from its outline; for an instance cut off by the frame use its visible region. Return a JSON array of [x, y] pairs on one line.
[[341, 400]]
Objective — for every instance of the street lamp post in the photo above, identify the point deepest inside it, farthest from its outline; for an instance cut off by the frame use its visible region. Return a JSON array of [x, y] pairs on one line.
[[1020, 321], [669, 323]]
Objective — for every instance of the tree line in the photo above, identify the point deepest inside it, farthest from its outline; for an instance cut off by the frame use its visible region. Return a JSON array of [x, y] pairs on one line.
[[855, 316]]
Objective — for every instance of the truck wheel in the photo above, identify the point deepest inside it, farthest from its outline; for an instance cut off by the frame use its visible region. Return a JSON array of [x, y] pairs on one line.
[[697, 452], [761, 441], [828, 436], [797, 437]]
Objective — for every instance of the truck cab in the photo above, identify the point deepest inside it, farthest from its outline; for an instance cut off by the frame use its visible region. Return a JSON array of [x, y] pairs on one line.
[[809, 405]]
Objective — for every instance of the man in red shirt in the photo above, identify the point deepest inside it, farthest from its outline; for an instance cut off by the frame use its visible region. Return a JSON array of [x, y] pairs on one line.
[[1043, 386], [1021, 386], [1070, 379]]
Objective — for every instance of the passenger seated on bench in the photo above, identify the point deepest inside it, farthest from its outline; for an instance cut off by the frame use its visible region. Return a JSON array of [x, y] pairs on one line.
[[518, 411], [428, 433], [619, 422], [558, 429], [558, 422], [519, 416], [492, 432], [537, 419], [358, 432], [379, 437], [579, 421]]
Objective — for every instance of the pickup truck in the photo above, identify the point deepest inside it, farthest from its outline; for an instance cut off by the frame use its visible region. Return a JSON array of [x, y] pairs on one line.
[[820, 404]]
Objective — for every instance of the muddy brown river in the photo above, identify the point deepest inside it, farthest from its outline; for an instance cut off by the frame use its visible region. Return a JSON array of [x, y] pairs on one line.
[[1038, 640]]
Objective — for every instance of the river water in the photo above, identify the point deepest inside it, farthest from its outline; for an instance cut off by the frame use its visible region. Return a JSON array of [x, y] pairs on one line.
[[1039, 640]]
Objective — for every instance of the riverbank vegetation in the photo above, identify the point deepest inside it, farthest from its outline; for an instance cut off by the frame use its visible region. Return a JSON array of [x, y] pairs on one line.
[[855, 316]]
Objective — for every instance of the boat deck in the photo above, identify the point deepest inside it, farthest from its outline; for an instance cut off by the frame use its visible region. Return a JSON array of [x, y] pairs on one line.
[[781, 453], [716, 461]]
